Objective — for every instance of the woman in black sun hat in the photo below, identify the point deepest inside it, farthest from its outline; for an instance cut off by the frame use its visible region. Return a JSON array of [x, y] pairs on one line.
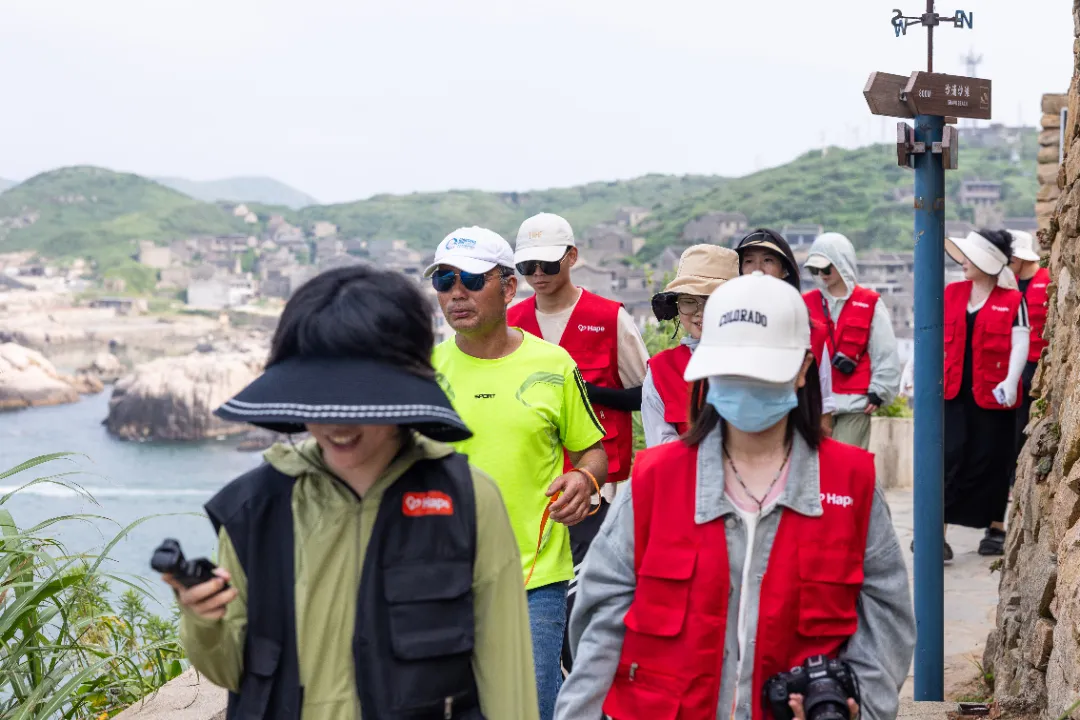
[[369, 569]]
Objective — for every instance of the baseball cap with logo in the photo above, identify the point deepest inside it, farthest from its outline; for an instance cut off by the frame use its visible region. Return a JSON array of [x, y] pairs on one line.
[[755, 326], [544, 237], [474, 250]]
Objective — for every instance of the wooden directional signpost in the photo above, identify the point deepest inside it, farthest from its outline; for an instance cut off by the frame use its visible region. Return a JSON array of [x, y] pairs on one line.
[[930, 147]]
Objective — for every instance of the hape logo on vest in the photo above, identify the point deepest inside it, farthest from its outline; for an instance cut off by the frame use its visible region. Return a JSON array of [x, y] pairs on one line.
[[433, 502], [844, 501], [591, 328], [856, 303], [999, 308]]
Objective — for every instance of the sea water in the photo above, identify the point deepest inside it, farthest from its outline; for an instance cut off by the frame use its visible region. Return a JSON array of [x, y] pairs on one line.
[[163, 484]]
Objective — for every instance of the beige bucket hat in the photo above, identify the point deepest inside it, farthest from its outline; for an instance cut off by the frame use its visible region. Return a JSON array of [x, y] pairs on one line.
[[703, 268]]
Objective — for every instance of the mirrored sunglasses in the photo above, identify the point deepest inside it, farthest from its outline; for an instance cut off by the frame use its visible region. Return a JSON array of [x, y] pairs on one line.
[[443, 280]]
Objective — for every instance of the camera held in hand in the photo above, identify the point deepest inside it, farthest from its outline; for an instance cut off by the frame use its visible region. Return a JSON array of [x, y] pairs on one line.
[[842, 363], [824, 684], [169, 558]]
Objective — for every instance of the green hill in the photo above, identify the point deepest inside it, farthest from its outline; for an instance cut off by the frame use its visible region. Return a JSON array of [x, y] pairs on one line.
[[263, 190], [96, 213], [5, 184], [850, 191], [425, 218]]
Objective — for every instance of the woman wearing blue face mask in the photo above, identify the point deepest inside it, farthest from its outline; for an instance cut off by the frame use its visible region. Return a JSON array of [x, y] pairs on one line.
[[746, 549]]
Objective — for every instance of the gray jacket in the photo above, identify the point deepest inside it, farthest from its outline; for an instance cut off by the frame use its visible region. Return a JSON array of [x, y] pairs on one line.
[[885, 367], [880, 651]]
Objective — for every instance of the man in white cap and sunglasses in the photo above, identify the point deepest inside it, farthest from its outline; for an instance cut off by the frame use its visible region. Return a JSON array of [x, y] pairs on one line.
[[1033, 282], [602, 339], [525, 402]]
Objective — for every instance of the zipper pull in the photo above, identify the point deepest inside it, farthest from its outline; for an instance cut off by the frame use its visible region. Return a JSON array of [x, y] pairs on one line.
[[448, 708], [633, 671]]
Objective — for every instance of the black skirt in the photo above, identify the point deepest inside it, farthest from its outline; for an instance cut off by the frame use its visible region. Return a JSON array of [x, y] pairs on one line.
[[980, 453]]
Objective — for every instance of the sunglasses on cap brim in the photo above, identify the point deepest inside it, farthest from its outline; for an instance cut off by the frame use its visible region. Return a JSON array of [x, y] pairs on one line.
[[547, 267], [443, 280]]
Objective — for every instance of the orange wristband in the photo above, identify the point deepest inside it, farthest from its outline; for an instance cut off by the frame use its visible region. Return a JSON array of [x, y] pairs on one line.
[[596, 485]]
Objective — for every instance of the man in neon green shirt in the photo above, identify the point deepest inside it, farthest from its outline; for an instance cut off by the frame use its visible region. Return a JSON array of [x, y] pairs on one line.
[[525, 402]]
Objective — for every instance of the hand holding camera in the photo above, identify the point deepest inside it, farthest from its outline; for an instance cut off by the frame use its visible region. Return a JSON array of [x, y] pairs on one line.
[[200, 586], [1005, 393], [819, 689]]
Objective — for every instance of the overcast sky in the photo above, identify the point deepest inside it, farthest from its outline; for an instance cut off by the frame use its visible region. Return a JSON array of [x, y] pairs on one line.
[[347, 98]]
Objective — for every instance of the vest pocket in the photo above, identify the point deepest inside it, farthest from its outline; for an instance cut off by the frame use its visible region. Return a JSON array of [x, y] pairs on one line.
[[830, 581], [663, 591], [261, 660], [430, 609], [644, 693]]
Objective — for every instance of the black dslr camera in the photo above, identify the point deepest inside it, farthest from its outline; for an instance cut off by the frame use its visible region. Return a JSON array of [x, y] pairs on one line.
[[842, 363], [169, 558], [824, 684], [665, 306]]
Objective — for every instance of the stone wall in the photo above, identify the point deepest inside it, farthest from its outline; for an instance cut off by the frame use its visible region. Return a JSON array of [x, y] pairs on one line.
[[1049, 152], [1034, 651]]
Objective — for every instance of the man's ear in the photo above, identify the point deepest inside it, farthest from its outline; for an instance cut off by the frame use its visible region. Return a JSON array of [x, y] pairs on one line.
[[572, 256], [510, 289]]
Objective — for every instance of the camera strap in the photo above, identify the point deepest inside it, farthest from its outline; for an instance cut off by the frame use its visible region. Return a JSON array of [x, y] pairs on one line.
[[829, 325], [828, 319]]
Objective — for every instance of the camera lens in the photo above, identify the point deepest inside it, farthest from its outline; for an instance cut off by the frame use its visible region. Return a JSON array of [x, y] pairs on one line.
[[826, 700]]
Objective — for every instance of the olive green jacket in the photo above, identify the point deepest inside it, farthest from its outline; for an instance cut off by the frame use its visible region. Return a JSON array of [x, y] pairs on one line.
[[332, 529]]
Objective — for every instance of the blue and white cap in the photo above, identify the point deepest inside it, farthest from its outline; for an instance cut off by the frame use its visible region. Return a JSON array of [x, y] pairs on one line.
[[474, 250]]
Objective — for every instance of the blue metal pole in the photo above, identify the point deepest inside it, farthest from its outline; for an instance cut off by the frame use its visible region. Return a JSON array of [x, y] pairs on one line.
[[929, 409]]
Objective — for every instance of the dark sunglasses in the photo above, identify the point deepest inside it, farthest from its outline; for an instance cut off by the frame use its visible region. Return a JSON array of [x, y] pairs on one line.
[[821, 271], [443, 280], [547, 267]]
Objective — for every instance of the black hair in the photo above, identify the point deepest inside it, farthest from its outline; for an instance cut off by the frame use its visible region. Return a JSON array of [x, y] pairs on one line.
[[804, 419], [1001, 239], [362, 312], [778, 240]]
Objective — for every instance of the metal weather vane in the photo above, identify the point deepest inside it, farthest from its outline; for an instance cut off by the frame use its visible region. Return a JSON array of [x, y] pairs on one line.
[[930, 20]]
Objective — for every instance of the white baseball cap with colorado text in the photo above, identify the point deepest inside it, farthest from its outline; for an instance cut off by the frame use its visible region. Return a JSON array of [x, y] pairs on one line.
[[755, 326]]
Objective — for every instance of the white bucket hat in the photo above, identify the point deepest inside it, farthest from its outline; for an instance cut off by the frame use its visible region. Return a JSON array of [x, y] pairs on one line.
[[1024, 246], [982, 253], [755, 326]]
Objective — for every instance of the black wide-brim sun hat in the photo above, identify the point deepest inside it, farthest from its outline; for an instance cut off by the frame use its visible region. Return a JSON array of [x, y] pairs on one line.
[[339, 391]]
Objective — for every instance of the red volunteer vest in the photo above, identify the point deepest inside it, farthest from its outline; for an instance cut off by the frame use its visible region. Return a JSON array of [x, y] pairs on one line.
[[591, 338], [990, 344], [673, 650], [1037, 297], [668, 368], [850, 335]]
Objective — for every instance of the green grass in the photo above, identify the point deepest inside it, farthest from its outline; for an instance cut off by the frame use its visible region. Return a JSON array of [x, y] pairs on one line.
[[845, 191], [425, 218], [100, 214], [96, 213], [68, 649]]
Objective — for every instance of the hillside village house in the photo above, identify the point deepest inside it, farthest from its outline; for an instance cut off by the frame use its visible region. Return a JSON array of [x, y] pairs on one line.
[[801, 235], [631, 216], [154, 256], [715, 228], [220, 292]]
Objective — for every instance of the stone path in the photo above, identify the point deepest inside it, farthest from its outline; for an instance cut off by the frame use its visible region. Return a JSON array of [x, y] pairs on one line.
[[971, 593]]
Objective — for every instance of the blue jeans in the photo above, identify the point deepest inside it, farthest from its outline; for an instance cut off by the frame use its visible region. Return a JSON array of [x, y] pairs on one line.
[[547, 621]]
